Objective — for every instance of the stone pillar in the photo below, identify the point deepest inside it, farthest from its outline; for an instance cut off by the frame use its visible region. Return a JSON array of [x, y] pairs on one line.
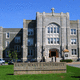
[[43, 34], [63, 33], [78, 43], [68, 34], [25, 33], [39, 36], [1, 42]]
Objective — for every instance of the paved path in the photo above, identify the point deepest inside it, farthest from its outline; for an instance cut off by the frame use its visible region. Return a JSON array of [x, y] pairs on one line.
[[74, 64]]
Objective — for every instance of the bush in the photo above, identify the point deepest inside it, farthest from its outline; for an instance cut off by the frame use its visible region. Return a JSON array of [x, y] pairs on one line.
[[67, 60]]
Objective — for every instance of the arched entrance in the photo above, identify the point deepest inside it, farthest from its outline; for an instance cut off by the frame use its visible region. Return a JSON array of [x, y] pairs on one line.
[[53, 53]]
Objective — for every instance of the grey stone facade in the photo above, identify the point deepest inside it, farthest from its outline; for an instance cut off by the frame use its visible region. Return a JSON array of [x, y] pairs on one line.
[[35, 37]]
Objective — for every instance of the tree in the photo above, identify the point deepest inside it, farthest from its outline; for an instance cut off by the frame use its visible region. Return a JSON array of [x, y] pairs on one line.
[[13, 55]]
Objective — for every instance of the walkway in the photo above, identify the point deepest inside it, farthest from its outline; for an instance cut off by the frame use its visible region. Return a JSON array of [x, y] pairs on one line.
[[74, 64]]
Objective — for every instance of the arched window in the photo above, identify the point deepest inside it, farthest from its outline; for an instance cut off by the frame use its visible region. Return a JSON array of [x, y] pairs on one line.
[[52, 34], [53, 28]]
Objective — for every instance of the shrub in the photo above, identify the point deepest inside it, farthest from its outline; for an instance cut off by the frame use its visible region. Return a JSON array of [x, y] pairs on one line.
[[67, 60]]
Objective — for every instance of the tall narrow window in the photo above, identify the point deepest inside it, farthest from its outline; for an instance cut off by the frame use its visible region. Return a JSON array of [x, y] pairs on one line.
[[57, 29], [30, 52], [51, 40], [51, 30], [7, 35], [71, 41], [17, 48], [30, 31], [73, 51], [71, 31], [30, 41], [7, 43], [57, 40], [48, 40], [74, 41], [54, 29], [17, 40], [54, 40], [74, 31], [48, 29]]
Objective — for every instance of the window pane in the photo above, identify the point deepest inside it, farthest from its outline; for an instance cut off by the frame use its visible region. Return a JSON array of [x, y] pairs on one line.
[[48, 40], [58, 30], [7, 35], [71, 41], [54, 40], [74, 41], [74, 31], [71, 31], [51, 30], [72, 51], [48, 29], [75, 51], [57, 40], [54, 29], [51, 40]]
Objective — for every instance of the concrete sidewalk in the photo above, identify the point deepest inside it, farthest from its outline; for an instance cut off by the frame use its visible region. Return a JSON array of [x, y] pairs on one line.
[[74, 64]]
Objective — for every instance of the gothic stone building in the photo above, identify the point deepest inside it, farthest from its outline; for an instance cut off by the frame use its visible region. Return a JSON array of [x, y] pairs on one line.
[[50, 35]]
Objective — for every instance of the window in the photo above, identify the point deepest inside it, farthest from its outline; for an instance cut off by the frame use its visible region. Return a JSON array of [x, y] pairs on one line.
[[7, 53], [7, 43], [57, 40], [54, 40], [73, 31], [51, 40], [73, 41], [53, 29], [30, 32], [17, 40], [73, 51], [7, 35], [48, 40], [17, 48], [30, 41], [48, 29], [30, 52], [57, 29]]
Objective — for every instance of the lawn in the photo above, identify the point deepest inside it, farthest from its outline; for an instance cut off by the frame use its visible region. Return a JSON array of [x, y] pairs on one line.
[[6, 73]]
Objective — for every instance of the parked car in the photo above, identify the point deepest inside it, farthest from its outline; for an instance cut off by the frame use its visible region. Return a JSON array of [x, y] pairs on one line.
[[19, 60], [2, 61], [11, 63]]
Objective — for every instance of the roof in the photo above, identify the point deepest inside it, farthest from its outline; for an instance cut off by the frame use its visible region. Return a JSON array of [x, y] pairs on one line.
[[66, 50]]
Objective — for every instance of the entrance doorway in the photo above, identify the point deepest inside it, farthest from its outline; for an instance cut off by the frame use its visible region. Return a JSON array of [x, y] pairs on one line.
[[53, 53]]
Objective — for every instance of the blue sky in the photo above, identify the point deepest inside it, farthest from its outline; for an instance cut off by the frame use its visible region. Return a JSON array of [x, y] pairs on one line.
[[12, 12]]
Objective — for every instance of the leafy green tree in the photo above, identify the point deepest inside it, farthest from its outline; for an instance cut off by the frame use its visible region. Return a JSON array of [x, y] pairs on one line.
[[13, 55]]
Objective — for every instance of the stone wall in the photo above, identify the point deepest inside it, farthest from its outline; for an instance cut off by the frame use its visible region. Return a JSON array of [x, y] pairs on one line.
[[39, 68]]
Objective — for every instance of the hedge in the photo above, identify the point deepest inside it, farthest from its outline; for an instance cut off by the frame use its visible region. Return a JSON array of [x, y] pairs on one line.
[[67, 60]]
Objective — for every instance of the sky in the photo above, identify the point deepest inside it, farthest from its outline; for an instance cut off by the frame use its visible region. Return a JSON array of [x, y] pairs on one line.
[[12, 12]]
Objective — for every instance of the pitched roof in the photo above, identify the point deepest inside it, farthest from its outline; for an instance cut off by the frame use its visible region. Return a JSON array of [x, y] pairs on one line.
[[66, 50]]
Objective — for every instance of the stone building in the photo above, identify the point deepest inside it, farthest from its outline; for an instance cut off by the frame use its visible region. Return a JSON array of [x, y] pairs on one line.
[[46, 38]]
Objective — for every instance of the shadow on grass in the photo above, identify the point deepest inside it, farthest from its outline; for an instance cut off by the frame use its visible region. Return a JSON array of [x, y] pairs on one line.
[[75, 76], [10, 74]]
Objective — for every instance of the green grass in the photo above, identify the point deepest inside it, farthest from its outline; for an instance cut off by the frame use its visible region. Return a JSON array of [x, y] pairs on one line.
[[6, 73]]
